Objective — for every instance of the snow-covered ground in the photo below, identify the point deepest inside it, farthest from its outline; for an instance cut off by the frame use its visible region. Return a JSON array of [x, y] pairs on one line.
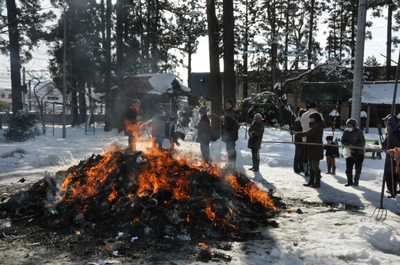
[[341, 231]]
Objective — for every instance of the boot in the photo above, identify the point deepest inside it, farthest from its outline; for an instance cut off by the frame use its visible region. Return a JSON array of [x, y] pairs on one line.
[[356, 179], [333, 171], [256, 165], [317, 180], [306, 169], [349, 179], [329, 170], [311, 180]]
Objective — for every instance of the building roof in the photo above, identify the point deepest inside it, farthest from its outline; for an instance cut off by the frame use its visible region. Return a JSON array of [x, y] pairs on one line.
[[379, 93], [151, 83]]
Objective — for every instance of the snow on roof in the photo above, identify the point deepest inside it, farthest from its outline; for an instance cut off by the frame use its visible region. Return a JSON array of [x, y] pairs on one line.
[[162, 83], [379, 93]]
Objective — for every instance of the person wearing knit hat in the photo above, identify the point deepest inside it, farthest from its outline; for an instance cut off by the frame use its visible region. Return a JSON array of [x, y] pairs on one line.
[[315, 151], [353, 137], [299, 162], [230, 130], [132, 121], [390, 175], [204, 134], [256, 132]]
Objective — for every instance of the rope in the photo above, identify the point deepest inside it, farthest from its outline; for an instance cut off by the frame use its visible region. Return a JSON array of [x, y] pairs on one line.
[[317, 144]]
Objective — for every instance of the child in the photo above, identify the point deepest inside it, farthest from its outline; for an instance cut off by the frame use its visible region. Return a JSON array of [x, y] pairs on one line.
[[332, 152]]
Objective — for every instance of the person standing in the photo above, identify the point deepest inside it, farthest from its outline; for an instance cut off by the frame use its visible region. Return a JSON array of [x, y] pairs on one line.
[[315, 153], [331, 153], [390, 173], [158, 122], [230, 129], [256, 132], [353, 137], [133, 117], [298, 161], [204, 133], [171, 133]]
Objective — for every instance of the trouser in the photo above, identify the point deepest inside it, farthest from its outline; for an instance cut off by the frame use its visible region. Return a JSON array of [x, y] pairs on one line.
[[298, 162], [158, 140], [354, 162], [330, 161], [391, 179], [205, 151], [255, 153], [313, 166], [231, 149]]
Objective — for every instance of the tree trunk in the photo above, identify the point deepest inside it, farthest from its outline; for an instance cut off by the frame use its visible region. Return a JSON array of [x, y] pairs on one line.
[[389, 43], [229, 60], [82, 100], [107, 75], [245, 54], [215, 75], [190, 57], [310, 37], [15, 65], [120, 64], [74, 103]]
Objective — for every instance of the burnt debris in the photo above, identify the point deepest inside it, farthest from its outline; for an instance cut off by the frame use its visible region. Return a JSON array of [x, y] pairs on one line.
[[133, 196]]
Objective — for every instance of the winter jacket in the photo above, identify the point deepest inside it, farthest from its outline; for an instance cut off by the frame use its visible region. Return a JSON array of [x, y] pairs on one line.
[[331, 150], [257, 129], [297, 127], [395, 140], [230, 130], [158, 123], [204, 129], [314, 135], [354, 138], [132, 116], [305, 120]]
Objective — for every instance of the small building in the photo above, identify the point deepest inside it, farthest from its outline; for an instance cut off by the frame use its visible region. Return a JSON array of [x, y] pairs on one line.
[[47, 94], [151, 89], [5, 99]]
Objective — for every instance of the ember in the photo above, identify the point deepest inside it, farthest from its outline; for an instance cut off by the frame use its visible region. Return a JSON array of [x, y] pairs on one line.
[[147, 194]]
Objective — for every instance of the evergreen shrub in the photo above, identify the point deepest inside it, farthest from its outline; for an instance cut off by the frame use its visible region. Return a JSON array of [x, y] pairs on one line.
[[22, 126]]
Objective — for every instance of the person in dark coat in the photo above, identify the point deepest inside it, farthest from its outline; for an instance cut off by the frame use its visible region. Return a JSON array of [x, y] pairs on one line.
[[298, 161], [331, 153], [353, 137], [391, 176], [204, 134], [315, 153], [171, 133], [230, 129], [158, 123], [256, 132], [133, 117]]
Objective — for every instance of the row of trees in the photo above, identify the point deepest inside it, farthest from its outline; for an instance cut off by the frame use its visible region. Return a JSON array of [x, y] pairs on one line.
[[108, 39]]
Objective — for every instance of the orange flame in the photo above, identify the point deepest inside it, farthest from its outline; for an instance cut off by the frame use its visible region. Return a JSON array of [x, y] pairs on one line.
[[94, 176], [251, 190], [202, 246], [113, 195]]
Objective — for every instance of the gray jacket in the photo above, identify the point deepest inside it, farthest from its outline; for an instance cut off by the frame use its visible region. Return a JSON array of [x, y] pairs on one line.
[[354, 138]]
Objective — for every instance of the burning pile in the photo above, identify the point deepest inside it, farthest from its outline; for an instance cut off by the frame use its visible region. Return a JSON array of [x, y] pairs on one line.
[[152, 194]]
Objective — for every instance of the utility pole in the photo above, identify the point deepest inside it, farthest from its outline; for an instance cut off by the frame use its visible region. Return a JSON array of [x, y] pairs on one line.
[[359, 59], [64, 106]]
